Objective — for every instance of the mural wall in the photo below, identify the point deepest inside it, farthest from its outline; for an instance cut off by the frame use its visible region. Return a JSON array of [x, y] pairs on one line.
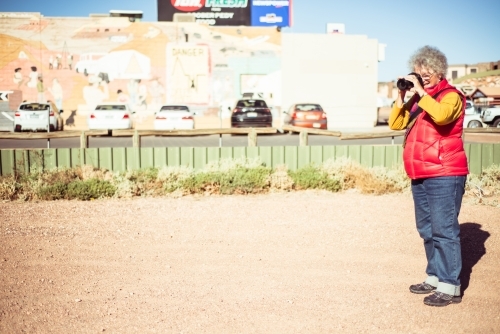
[[79, 62]]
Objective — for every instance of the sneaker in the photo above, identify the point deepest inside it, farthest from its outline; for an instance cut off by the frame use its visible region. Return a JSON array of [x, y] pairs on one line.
[[441, 299], [422, 288]]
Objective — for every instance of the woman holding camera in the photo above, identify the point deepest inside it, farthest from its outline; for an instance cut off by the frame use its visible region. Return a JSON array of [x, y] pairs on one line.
[[435, 160]]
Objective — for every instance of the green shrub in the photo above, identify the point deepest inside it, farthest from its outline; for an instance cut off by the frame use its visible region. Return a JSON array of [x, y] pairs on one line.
[[55, 191], [90, 189], [172, 178], [312, 177], [238, 180], [225, 176]]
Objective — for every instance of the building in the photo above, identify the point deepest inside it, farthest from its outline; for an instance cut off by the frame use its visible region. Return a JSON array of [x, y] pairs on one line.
[[486, 96], [460, 70], [204, 66]]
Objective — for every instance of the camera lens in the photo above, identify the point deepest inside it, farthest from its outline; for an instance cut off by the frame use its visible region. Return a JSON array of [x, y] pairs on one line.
[[404, 84]]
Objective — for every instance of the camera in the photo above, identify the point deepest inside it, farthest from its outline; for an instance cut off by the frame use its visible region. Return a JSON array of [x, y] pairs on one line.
[[407, 85]]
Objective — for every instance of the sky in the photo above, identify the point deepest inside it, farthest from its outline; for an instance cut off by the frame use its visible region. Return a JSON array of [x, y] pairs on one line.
[[466, 31]]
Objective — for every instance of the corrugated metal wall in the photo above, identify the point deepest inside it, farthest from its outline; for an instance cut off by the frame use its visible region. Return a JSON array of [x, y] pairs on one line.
[[480, 156]]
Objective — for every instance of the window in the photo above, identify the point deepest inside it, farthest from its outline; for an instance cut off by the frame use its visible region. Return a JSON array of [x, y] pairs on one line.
[[454, 74], [34, 107], [110, 107], [308, 107], [174, 108], [252, 103], [473, 70]]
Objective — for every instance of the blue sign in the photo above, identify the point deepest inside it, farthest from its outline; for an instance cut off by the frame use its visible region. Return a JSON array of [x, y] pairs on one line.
[[271, 13]]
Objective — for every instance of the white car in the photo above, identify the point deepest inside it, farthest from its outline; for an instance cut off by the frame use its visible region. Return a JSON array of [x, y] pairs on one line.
[[472, 118], [473, 121], [34, 116], [491, 115], [174, 117], [110, 116]]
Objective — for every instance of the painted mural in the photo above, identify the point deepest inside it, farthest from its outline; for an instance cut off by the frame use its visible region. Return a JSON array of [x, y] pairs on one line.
[[80, 62]]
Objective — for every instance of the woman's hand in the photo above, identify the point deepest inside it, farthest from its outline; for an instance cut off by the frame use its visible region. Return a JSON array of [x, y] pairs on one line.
[[401, 96], [417, 87]]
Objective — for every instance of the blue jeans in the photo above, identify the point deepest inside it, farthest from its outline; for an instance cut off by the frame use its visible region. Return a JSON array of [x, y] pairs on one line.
[[437, 205]]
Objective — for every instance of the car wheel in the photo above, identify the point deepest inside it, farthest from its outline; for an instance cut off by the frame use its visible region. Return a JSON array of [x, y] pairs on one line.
[[496, 123], [52, 128], [474, 124], [17, 128]]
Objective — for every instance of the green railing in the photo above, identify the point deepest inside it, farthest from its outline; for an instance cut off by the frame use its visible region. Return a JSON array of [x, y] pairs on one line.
[[480, 156]]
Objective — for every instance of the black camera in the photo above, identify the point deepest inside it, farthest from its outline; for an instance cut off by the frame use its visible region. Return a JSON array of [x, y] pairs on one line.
[[407, 85]]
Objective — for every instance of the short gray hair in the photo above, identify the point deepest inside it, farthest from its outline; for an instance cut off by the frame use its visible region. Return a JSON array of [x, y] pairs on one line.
[[431, 58]]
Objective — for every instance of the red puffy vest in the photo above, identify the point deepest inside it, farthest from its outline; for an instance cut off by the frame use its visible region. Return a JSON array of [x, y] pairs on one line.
[[433, 150]]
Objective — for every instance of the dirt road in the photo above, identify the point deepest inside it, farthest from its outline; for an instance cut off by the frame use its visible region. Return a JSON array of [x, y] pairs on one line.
[[304, 262]]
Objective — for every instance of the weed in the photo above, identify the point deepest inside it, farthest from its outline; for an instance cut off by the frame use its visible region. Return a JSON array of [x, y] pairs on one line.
[[313, 177], [90, 189]]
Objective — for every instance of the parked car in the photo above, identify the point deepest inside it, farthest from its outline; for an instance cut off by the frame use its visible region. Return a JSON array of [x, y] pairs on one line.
[[472, 118], [469, 107], [110, 116], [473, 121], [34, 116], [491, 116], [172, 117], [307, 115], [251, 113]]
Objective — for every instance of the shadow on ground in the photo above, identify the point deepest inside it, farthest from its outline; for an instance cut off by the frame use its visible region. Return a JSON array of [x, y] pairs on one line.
[[472, 240]]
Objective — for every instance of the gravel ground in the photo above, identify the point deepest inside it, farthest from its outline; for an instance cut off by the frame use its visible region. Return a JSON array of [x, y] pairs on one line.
[[302, 262]]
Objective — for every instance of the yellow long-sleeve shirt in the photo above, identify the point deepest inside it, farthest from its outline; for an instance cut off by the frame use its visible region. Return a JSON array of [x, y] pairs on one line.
[[442, 113]]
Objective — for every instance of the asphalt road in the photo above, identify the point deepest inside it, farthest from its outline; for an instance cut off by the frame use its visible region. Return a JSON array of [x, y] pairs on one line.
[[6, 120]]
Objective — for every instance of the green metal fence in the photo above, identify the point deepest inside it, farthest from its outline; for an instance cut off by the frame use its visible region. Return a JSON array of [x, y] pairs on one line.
[[480, 156]]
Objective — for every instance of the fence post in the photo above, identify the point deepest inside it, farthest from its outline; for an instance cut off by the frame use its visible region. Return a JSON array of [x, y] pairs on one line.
[[252, 138], [136, 140], [303, 138], [83, 140]]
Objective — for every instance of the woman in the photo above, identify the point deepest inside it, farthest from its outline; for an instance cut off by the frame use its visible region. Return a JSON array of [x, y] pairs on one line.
[[435, 160], [18, 77], [57, 93]]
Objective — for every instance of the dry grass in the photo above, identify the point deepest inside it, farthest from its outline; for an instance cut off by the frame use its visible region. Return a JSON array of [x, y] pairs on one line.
[[240, 176]]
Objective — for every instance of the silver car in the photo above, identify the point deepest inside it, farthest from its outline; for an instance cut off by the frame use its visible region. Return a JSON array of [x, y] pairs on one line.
[[34, 116]]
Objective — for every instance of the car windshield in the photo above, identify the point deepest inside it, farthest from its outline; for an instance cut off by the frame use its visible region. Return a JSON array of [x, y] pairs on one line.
[[308, 107], [174, 108], [252, 103], [34, 107], [111, 107]]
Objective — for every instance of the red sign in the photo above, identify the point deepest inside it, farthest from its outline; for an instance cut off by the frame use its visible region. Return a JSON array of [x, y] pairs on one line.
[[188, 5]]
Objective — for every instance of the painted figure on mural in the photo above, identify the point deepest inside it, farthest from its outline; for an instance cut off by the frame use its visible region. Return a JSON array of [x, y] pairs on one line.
[[55, 64], [142, 94], [59, 61], [133, 89], [18, 77], [57, 93], [122, 97], [51, 62], [41, 90], [157, 91], [96, 92], [33, 77], [70, 61]]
